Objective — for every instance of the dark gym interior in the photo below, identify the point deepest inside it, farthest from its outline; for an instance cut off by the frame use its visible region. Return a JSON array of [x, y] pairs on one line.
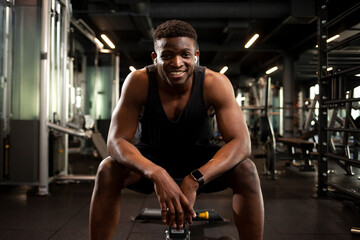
[[298, 85]]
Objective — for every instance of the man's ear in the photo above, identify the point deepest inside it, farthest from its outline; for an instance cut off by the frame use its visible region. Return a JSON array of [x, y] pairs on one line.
[[197, 54], [153, 56]]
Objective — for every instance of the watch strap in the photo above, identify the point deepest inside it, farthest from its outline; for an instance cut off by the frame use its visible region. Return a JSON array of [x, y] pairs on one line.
[[197, 176]]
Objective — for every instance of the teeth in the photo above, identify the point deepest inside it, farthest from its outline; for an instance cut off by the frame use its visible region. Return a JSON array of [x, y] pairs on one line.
[[176, 73]]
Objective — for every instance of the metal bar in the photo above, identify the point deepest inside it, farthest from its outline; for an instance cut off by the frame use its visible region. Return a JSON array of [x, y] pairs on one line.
[[344, 190], [349, 70], [83, 30], [44, 78], [343, 130], [344, 42], [116, 82], [342, 158], [65, 79], [322, 35], [342, 15], [342, 100], [267, 91], [346, 125], [75, 177], [58, 55], [8, 32], [69, 130]]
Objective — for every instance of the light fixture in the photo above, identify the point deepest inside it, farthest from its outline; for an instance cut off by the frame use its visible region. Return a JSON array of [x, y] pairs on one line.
[[224, 69], [107, 40], [329, 69], [104, 50], [330, 39], [98, 43], [252, 40], [132, 68], [333, 38], [271, 70], [357, 75]]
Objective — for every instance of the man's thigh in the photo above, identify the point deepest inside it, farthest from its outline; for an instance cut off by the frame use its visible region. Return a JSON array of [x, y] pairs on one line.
[[178, 164], [226, 180]]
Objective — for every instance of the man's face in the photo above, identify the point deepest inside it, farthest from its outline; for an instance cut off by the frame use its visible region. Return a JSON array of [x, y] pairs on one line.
[[175, 59]]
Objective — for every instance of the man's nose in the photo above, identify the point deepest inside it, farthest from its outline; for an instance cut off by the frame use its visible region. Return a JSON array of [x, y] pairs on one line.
[[177, 61]]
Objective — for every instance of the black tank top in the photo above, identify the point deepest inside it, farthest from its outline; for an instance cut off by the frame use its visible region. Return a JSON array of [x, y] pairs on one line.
[[193, 126]]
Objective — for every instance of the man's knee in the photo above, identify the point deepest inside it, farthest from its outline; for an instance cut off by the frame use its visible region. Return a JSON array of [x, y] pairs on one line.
[[110, 172], [245, 176]]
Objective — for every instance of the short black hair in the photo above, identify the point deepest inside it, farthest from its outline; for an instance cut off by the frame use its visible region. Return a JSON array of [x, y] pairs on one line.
[[174, 28]]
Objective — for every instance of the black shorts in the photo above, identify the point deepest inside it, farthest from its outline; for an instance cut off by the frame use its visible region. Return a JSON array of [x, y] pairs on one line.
[[178, 163]]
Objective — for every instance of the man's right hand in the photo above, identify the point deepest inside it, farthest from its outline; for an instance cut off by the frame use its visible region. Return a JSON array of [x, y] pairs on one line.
[[173, 203]]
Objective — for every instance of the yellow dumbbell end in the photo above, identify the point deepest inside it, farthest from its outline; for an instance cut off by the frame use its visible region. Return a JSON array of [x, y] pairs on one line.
[[204, 215]]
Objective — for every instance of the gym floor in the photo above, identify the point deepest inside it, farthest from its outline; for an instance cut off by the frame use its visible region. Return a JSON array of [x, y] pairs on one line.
[[291, 212]]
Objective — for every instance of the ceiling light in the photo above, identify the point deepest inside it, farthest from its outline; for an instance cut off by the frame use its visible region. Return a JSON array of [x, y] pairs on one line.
[[357, 75], [329, 69], [132, 68], [107, 40], [105, 50], [224, 69], [333, 38], [98, 43], [252, 40], [271, 70]]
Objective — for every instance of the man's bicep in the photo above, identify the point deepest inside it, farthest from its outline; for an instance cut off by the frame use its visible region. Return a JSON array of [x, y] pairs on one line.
[[231, 122], [230, 118], [124, 121], [125, 117]]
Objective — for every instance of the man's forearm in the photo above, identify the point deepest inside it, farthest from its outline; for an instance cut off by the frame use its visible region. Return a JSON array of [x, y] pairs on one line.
[[226, 158], [128, 155]]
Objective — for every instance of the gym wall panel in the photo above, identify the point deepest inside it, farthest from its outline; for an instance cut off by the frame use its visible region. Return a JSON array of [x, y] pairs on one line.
[[26, 69], [99, 92], [24, 151]]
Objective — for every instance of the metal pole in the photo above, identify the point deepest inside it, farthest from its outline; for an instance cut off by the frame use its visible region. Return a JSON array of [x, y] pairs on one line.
[[289, 93], [65, 81], [58, 57], [323, 93], [7, 69], [281, 111], [116, 84], [44, 78], [6, 81]]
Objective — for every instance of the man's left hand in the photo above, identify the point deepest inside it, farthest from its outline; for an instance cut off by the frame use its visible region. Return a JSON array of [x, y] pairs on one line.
[[189, 187]]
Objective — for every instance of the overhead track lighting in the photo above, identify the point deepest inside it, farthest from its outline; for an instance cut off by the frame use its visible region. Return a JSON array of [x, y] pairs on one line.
[[106, 50], [107, 40], [333, 38], [252, 40], [132, 68], [98, 43], [224, 69], [330, 39], [271, 70]]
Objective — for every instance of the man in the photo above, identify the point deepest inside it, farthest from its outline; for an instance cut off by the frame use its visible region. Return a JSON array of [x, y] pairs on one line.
[[172, 99]]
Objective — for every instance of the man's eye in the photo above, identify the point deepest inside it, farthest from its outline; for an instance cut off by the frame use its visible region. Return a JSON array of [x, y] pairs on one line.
[[165, 57]]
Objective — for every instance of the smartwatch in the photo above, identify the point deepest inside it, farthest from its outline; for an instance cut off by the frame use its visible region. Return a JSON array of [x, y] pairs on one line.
[[197, 176]]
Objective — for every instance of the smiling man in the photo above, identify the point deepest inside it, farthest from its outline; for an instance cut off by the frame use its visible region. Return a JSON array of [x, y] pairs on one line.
[[174, 100]]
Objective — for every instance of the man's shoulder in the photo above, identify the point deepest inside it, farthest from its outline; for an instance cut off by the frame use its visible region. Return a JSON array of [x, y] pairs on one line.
[[212, 78], [140, 74], [138, 78], [217, 87], [136, 85]]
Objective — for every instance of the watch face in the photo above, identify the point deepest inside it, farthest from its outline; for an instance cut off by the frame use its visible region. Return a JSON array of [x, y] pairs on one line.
[[197, 174]]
